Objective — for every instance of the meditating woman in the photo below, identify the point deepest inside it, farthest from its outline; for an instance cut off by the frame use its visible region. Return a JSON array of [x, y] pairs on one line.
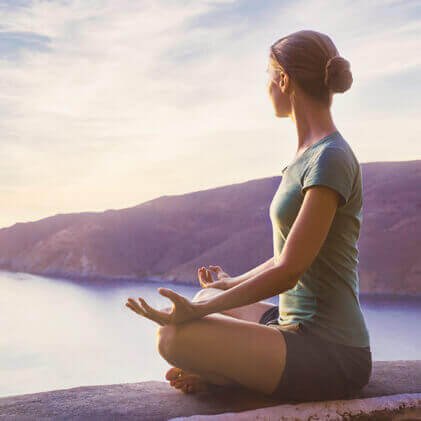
[[315, 344]]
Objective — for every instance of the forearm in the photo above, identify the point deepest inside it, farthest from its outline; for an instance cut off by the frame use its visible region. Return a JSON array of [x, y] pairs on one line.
[[253, 272], [272, 281]]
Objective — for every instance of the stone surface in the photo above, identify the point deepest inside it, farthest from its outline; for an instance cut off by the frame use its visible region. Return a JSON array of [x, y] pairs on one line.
[[393, 384], [393, 407]]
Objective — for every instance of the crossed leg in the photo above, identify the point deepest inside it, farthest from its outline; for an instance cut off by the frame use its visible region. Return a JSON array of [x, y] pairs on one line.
[[225, 349], [189, 381]]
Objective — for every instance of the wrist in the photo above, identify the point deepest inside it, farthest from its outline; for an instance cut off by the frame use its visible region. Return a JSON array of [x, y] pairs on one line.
[[202, 308], [235, 281]]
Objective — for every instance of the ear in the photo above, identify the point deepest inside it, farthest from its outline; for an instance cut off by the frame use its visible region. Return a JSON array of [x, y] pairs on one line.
[[284, 82]]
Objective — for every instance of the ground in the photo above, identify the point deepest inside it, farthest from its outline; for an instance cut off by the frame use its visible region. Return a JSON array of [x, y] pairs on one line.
[[394, 388]]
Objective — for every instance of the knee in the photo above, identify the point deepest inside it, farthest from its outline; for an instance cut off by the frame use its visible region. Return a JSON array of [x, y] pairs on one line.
[[206, 293], [166, 341]]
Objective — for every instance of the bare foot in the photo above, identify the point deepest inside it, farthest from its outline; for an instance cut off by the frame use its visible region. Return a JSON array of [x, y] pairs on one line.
[[185, 381]]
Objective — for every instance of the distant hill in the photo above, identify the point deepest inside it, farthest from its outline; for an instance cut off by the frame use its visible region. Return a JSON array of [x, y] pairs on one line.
[[168, 238]]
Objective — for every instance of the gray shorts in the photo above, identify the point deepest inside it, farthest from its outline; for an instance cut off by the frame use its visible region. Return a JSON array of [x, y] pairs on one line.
[[317, 369]]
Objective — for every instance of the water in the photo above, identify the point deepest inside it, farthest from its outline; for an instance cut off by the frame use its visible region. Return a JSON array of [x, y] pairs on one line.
[[57, 334]]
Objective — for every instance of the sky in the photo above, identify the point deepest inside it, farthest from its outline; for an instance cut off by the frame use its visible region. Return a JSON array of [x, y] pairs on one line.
[[108, 104]]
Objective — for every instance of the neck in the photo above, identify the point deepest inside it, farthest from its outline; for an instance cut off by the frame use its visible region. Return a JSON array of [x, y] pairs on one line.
[[313, 122]]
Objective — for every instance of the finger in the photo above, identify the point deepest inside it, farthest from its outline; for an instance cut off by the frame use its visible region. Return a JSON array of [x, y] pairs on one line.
[[143, 312], [129, 306], [202, 270], [156, 315], [134, 303], [147, 307], [132, 300], [135, 309], [172, 295], [209, 275], [202, 278], [215, 268], [155, 318], [148, 315], [199, 272], [147, 311]]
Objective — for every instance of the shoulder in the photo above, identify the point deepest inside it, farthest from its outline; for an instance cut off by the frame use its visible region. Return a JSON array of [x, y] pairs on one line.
[[335, 154], [333, 165]]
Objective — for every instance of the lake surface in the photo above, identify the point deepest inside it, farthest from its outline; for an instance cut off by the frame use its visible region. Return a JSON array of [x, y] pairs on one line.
[[56, 334]]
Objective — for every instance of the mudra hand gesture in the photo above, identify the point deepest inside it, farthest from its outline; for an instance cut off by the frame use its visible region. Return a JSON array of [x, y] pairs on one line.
[[182, 309], [223, 280]]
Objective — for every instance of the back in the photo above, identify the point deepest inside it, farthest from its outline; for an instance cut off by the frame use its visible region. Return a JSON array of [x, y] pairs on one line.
[[325, 298]]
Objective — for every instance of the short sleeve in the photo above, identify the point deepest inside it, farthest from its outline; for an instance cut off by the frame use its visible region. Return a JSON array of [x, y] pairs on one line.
[[333, 168]]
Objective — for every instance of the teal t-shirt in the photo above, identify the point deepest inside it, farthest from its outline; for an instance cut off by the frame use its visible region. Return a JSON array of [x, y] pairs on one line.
[[325, 299]]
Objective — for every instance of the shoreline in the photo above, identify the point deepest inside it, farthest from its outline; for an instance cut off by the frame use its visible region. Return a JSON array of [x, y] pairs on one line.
[[119, 281]]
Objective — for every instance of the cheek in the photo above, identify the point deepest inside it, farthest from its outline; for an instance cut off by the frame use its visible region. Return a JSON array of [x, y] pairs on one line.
[[276, 94], [281, 98], [273, 90]]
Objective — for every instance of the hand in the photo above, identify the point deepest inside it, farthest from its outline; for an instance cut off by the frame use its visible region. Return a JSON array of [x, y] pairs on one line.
[[223, 280], [182, 309]]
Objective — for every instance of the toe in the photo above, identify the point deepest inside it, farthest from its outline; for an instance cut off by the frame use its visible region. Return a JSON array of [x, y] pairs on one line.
[[188, 376], [179, 384], [173, 373]]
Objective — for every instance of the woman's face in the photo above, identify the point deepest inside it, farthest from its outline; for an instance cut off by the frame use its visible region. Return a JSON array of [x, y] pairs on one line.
[[278, 85]]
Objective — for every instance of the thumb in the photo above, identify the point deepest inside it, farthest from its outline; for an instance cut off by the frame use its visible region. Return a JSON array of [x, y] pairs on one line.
[[173, 296]]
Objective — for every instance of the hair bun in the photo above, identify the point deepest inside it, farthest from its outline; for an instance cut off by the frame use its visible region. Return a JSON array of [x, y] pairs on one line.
[[338, 76]]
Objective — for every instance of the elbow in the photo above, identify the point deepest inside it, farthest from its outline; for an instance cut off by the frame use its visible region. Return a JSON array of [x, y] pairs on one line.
[[290, 273]]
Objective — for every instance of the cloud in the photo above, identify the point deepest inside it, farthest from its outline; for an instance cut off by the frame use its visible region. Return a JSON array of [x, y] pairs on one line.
[[12, 43], [98, 98]]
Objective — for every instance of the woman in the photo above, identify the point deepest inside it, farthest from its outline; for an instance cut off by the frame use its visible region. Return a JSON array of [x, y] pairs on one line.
[[315, 344]]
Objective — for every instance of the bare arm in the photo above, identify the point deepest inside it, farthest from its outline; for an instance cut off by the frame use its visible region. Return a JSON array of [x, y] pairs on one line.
[[236, 280], [303, 244]]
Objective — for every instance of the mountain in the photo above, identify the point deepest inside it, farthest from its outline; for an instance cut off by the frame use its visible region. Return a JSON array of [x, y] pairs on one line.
[[169, 237]]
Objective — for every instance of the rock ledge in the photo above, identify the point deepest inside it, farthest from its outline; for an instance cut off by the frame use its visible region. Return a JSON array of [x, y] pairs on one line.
[[394, 392]]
